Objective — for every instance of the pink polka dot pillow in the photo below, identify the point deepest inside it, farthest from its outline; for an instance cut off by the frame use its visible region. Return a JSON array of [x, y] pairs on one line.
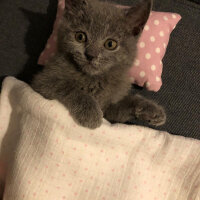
[[147, 68]]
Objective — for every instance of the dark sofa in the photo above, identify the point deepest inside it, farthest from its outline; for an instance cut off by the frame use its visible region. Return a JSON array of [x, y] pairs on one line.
[[26, 25]]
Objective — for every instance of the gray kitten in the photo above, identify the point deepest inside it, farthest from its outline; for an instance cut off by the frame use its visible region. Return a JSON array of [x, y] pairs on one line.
[[89, 75]]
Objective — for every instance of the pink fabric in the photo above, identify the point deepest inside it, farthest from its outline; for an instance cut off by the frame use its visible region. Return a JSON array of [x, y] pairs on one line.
[[147, 68]]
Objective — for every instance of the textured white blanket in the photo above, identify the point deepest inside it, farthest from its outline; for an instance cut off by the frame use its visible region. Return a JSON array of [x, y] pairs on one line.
[[50, 157]]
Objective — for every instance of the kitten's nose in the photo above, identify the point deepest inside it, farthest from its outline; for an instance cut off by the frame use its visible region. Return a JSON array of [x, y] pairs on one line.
[[89, 56], [91, 53]]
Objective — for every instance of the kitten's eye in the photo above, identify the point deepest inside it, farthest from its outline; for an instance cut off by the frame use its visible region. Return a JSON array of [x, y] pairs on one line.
[[81, 37], [111, 44]]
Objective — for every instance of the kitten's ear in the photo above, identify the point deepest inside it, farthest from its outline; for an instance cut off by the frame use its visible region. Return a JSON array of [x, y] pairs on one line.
[[138, 15], [74, 5]]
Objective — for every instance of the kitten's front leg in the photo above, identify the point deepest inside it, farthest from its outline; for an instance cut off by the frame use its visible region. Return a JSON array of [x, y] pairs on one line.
[[149, 111], [136, 106], [84, 109]]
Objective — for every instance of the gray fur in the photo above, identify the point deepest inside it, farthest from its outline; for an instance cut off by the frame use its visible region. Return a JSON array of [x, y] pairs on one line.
[[90, 80]]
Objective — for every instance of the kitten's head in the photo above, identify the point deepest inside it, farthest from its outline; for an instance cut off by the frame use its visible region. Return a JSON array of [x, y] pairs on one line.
[[98, 36]]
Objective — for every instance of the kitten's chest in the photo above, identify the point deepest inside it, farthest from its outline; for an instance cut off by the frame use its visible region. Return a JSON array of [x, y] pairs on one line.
[[106, 90], [92, 87]]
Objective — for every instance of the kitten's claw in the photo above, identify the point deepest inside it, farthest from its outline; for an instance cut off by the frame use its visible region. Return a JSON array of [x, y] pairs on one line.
[[150, 112]]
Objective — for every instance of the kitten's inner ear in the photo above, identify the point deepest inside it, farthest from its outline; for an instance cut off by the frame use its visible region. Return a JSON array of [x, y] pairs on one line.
[[138, 15]]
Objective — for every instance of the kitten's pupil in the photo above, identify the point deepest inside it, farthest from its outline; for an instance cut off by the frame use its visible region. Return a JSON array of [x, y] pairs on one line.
[[110, 44], [80, 37]]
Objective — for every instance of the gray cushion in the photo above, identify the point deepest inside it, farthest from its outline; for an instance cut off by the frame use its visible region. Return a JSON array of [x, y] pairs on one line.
[[24, 29]]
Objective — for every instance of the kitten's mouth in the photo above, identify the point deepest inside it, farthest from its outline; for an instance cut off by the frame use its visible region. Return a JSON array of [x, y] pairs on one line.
[[88, 67], [92, 64]]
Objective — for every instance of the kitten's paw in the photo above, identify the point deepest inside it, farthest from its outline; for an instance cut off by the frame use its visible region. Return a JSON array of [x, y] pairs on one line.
[[89, 116], [91, 119], [150, 112]]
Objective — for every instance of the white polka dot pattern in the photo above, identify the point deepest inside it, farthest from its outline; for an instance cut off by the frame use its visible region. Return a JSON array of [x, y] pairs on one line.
[[148, 84], [142, 74], [165, 18], [137, 62], [142, 44], [146, 28], [157, 78], [156, 22], [153, 39], [158, 50], [162, 34], [153, 67]]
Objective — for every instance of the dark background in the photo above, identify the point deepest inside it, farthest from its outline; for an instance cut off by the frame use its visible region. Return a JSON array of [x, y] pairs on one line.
[[26, 25]]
